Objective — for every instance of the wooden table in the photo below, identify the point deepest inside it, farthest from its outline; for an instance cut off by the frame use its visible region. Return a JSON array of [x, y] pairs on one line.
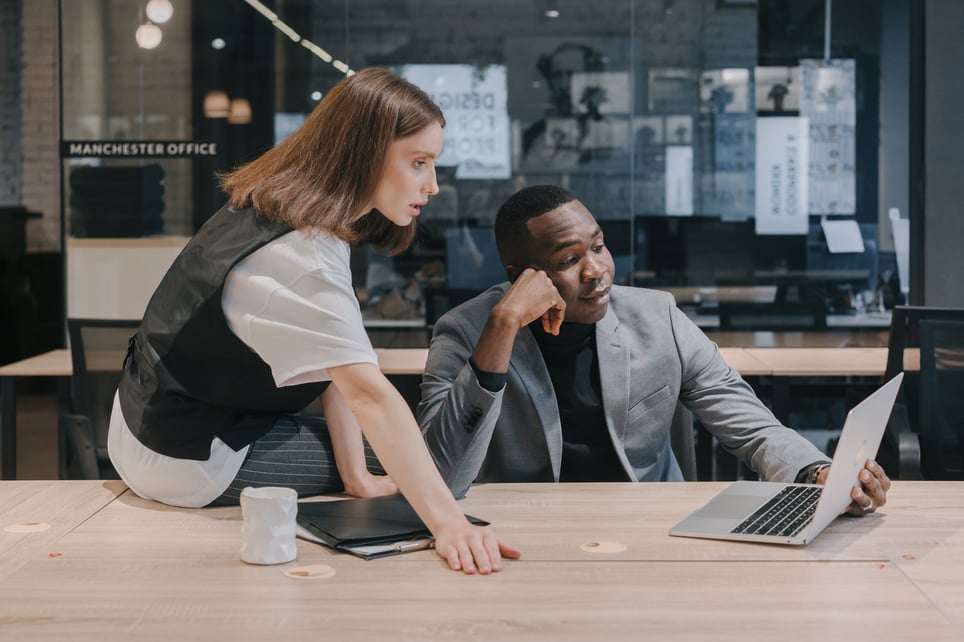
[[55, 363], [60, 507], [139, 570], [829, 362]]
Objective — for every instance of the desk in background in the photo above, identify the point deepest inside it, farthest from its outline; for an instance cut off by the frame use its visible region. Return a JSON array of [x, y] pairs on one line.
[[750, 362], [846, 338], [56, 364], [137, 569]]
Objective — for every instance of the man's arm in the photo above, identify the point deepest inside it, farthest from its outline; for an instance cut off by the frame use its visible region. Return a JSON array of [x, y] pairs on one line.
[[458, 413], [532, 296], [729, 408]]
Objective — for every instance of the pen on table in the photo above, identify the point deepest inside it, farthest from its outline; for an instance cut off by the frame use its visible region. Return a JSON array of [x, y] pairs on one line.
[[414, 545]]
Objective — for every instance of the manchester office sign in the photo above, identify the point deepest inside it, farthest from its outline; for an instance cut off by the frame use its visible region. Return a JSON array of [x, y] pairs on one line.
[[136, 149]]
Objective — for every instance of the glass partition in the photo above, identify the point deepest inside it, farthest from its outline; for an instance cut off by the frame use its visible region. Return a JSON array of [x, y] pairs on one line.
[[729, 149]]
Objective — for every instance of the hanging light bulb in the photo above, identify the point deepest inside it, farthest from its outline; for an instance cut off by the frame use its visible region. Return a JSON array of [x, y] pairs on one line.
[[148, 36], [159, 11], [216, 104], [239, 113]]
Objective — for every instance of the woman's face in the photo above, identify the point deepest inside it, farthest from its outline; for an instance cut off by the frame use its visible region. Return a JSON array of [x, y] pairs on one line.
[[408, 175]]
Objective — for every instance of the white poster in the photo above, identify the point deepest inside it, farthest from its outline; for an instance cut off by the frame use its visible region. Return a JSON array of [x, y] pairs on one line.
[[473, 100], [828, 100], [782, 171], [679, 180]]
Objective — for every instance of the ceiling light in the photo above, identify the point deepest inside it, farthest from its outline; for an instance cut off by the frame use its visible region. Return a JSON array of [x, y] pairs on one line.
[[148, 36], [216, 104], [159, 11], [239, 112]]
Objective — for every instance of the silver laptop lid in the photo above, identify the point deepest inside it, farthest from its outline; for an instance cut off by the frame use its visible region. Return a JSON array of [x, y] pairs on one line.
[[859, 441]]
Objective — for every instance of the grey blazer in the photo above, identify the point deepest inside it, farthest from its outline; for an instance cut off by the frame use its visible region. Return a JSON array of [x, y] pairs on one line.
[[651, 356]]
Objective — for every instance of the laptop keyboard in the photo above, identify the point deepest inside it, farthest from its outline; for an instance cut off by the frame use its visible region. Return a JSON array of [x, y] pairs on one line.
[[785, 514]]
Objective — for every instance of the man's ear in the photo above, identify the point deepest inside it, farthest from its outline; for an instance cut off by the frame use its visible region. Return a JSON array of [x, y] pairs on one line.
[[512, 272]]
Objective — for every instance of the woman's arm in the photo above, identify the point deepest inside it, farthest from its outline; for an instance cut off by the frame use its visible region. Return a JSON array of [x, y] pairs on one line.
[[346, 441], [387, 422]]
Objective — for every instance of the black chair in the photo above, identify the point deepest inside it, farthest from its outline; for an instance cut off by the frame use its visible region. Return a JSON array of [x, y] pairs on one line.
[[683, 442], [900, 452], [97, 351], [942, 399]]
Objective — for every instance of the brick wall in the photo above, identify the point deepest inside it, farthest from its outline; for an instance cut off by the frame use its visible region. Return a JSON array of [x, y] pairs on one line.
[[40, 128], [10, 152]]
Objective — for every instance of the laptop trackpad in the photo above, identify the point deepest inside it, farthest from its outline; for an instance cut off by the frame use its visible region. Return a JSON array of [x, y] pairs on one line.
[[731, 506]]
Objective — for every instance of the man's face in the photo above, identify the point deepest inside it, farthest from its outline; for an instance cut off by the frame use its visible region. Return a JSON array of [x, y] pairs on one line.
[[568, 245]]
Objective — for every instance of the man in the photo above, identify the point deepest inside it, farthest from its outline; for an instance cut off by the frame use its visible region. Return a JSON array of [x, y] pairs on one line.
[[559, 375]]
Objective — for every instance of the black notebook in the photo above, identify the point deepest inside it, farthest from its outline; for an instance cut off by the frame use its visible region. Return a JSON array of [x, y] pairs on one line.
[[368, 527]]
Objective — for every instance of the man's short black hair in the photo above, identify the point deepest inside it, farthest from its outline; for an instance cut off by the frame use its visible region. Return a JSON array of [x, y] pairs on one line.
[[511, 233]]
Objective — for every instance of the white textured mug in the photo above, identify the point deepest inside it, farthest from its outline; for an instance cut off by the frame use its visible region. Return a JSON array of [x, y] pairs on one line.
[[268, 525]]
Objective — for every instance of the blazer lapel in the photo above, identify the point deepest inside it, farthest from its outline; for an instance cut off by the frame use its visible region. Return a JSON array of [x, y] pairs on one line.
[[613, 354], [531, 368]]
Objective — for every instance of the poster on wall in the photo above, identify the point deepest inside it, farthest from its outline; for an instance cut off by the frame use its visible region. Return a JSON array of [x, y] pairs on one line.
[[727, 128], [777, 90], [782, 168], [728, 181], [828, 100], [726, 91], [473, 100], [679, 180]]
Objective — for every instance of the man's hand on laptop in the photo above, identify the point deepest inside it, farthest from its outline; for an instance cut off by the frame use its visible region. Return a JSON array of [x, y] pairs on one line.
[[870, 494]]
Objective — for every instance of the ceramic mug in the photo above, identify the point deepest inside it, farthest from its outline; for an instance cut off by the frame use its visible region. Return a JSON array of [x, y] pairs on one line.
[[268, 525]]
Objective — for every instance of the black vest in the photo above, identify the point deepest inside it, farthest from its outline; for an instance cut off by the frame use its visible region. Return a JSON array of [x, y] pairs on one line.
[[187, 377]]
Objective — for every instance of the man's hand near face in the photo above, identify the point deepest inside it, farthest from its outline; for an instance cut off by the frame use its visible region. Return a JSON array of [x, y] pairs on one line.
[[531, 296]]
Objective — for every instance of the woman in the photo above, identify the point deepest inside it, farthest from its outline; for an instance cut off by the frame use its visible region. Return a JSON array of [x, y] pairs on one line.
[[257, 318]]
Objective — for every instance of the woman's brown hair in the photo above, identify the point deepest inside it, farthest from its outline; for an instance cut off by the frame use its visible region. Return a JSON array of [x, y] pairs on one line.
[[322, 174]]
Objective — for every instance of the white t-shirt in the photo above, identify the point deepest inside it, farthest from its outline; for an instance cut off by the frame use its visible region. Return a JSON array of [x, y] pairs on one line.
[[292, 302]]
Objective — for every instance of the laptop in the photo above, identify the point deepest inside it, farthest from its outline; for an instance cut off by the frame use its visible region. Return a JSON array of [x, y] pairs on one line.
[[796, 513]]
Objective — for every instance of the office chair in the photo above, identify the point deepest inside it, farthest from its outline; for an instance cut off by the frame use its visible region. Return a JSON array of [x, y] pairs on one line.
[[942, 399], [683, 442], [900, 451], [97, 351]]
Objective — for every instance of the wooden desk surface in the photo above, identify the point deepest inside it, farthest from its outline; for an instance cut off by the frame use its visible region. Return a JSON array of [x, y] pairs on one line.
[[56, 363], [136, 569], [402, 361], [797, 361], [744, 362], [60, 506], [829, 362], [686, 294]]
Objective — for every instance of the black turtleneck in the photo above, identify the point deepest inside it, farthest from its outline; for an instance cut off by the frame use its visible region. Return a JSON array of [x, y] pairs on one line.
[[571, 358]]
